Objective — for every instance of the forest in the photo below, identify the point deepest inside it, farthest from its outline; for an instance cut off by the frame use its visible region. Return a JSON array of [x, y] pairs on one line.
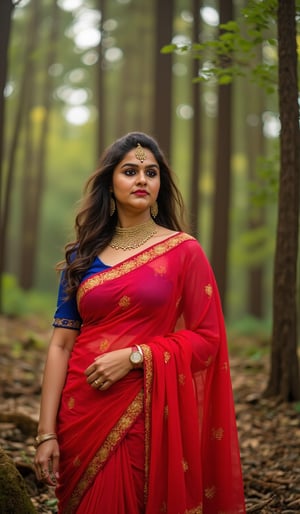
[[217, 84]]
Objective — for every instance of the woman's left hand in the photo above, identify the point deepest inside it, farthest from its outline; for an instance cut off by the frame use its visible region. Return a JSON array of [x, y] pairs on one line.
[[108, 369]]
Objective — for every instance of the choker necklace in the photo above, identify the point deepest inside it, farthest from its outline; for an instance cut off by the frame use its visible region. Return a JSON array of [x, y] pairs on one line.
[[133, 237]]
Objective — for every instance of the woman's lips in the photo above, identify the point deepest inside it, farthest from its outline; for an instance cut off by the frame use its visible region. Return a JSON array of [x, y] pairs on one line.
[[140, 193]]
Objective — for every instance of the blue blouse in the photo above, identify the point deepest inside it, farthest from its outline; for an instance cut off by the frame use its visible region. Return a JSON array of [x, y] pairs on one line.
[[66, 314]]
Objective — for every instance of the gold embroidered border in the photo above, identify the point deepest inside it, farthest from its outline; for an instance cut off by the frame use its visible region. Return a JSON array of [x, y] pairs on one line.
[[100, 458], [148, 375], [66, 323], [131, 264]]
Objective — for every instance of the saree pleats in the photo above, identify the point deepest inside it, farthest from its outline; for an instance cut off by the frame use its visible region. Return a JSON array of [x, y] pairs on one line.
[[119, 488], [163, 440]]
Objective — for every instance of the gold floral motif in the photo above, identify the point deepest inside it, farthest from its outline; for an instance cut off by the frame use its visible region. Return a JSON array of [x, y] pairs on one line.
[[167, 357], [208, 361], [76, 462], [124, 302], [160, 269], [217, 433], [181, 379], [208, 289], [71, 403], [103, 345], [185, 465], [210, 492], [196, 510], [66, 323], [101, 456], [225, 366], [135, 262]]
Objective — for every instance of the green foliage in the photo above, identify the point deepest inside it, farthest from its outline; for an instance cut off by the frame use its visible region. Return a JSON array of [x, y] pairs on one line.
[[249, 337], [20, 303], [253, 247], [234, 52], [13, 493], [265, 188]]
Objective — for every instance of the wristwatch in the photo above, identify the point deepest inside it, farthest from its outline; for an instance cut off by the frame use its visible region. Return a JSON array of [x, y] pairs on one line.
[[136, 356]]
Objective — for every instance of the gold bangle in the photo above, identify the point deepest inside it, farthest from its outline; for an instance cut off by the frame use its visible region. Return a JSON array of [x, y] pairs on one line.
[[43, 438]]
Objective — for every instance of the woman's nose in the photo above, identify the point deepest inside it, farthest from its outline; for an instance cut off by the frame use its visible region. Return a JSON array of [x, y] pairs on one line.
[[141, 178]]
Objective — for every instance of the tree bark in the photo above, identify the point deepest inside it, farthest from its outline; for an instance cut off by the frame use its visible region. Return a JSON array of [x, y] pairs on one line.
[[255, 145], [163, 76], [196, 132], [220, 230], [284, 376]]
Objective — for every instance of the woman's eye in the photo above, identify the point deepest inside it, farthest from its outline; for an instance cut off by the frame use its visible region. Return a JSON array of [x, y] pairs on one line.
[[129, 172], [151, 173]]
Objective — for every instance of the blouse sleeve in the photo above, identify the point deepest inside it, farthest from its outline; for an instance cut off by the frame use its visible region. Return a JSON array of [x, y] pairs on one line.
[[66, 314]]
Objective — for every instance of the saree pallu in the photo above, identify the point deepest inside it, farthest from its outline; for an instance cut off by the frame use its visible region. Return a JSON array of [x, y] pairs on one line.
[[175, 419]]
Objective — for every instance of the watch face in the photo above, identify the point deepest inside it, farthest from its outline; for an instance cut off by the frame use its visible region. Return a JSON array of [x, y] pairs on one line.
[[135, 357]]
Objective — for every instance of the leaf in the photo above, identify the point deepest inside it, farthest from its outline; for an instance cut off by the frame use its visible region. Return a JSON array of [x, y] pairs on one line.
[[225, 79], [168, 49]]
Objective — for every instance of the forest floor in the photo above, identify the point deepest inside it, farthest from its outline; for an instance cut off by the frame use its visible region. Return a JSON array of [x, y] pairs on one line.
[[269, 431]]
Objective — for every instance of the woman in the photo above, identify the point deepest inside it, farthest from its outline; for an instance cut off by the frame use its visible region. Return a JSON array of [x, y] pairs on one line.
[[137, 412]]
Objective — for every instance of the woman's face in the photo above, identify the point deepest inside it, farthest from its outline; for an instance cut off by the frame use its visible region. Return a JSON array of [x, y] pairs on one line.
[[136, 182]]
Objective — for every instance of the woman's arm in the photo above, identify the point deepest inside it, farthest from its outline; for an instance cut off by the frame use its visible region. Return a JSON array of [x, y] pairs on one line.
[[47, 454]]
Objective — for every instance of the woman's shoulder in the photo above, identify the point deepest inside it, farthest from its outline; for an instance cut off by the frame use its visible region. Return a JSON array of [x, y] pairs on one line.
[[192, 246]]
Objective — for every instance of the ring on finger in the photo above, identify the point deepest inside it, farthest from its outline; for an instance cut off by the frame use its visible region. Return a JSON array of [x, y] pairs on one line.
[[97, 382], [44, 473]]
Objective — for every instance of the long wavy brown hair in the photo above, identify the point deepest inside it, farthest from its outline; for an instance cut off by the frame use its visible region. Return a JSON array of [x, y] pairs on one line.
[[94, 226]]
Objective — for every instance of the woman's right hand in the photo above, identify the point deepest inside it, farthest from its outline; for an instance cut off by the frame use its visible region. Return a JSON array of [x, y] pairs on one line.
[[46, 462]]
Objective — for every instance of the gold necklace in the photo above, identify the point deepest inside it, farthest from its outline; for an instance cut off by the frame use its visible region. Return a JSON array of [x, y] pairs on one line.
[[133, 237]]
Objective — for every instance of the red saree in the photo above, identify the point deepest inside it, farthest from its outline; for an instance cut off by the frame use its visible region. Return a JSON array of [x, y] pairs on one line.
[[162, 440]]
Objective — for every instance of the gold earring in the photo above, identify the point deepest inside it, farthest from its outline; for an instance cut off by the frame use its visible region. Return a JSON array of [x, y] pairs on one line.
[[112, 206], [154, 210]]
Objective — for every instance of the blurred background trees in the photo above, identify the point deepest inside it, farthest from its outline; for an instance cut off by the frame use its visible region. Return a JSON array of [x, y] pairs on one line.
[[82, 73]]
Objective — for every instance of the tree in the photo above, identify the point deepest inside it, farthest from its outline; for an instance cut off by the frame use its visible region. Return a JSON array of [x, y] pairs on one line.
[[220, 229], [6, 10], [33, 201], [12, 152], [284, 377], [163, 75], [196, 133]]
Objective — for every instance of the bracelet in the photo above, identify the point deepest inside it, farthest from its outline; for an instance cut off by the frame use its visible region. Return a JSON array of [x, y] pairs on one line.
[[43, 438]]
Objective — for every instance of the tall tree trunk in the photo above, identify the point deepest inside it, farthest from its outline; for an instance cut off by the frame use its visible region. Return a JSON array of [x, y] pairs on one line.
[[34, 203], [6, 9], [220, 235], [29, 162], [99, 89], [196, 131], [163, 75], [12, 153], [284, 377], [255, 143]]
